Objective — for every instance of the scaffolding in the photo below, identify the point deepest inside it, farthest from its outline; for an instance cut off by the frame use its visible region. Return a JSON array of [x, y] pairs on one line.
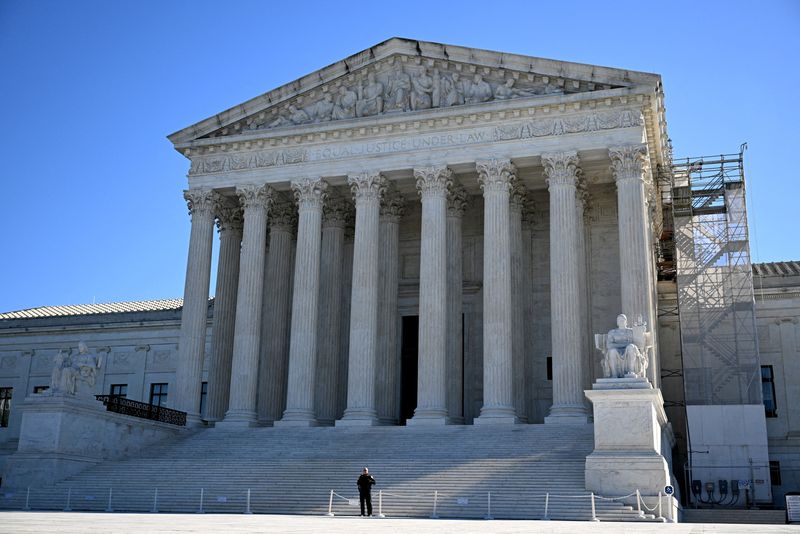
[[705, 248]]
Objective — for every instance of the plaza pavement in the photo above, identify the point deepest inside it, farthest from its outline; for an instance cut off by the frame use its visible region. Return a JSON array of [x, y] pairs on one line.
[[101, 523]]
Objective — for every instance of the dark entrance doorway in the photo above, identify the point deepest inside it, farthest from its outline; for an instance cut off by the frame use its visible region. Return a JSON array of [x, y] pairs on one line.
[[408, 367]]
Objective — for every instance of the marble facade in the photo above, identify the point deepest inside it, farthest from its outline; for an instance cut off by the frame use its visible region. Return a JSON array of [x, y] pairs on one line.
[[468, 183]]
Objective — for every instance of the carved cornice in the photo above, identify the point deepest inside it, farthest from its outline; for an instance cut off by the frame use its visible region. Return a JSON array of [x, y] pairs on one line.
[[310, 193], [393, 205], [337, 212], [433, 181], [457, 199], [255, 197], [628, 162], [257, 154], [561, 168], [282, 216], [201, 201], [496, 175], [367, 186]]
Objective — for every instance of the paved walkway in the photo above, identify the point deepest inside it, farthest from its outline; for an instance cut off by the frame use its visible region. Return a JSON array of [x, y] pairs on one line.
[[89, 523]]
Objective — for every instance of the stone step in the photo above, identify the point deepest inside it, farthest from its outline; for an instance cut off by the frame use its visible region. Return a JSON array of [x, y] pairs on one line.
[[292, 470]]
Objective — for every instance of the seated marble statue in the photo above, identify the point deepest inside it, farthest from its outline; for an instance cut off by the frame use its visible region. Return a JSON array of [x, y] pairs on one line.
[[69, 370], [625, 349]]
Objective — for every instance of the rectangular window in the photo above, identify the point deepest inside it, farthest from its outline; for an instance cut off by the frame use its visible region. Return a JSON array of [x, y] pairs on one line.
[[549, 367], [203, 397], [775, 472], [40, 389], [119, 390], [5, 406], [768, 391], [158, 394]]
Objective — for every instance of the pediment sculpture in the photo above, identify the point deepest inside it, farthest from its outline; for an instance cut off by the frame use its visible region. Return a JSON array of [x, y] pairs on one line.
[[76, 374], [625, 349], [399, 89]]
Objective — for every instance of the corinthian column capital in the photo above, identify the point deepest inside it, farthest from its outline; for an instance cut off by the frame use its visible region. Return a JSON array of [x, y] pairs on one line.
[[201, 200], [518, 196], [561, 168], [336, 212], [310, 193], [393, 205], [230, 215], [433, 181], [457, 199], [283, 216], [367, 186], [255, 196], [628, 162], [496, 174]]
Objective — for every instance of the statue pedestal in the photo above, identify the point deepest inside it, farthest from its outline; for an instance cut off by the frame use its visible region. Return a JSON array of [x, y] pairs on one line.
[[63, 434], [628, 423]]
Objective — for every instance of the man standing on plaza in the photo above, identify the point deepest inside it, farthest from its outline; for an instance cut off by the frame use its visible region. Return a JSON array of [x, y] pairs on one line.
[[365, 483]]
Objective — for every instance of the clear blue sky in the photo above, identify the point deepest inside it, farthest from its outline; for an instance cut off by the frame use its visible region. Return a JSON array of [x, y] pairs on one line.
[[91, 188]]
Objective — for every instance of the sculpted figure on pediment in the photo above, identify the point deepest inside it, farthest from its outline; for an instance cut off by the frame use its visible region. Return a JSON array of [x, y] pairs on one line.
[[398, 91], [322, 110], [295, 116], [506, 90], [453, 89], [421, 91], [479, 91], [370, 97], [345, 104]]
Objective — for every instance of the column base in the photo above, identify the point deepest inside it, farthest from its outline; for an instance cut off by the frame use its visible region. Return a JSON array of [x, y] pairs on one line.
[[297, 418], [428, 417], [238, 420], [567, 414], [496, 416], [358, 417]]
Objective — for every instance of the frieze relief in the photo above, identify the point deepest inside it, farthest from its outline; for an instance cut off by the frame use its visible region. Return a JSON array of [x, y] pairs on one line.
[[545, 127], [395, 86]]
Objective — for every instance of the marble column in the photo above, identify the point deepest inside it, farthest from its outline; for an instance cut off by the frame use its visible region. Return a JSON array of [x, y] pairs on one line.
[[529, 314], [256, 201], [310, 195], [367, 189], [277, 309], [192, 344], [454, 373], [587, 341], [387, 366], [496, 178], [229, 224], [347, 293], [334, 219], [432, 184], [516, 201], [562, 173], [629, 165]]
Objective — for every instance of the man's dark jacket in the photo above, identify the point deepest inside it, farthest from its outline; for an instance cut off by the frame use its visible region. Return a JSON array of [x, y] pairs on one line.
[[365, 483]]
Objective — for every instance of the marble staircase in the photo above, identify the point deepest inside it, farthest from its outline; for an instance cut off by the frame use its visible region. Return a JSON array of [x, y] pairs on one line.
[[293, 470]]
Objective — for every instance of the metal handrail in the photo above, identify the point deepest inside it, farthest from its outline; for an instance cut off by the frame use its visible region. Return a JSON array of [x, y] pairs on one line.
[[142, 410]]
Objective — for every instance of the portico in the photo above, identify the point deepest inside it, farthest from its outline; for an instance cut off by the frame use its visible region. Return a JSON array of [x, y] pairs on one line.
[[502, 221]]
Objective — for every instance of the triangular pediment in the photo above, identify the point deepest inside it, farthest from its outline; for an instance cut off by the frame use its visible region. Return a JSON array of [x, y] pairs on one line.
[[403, 76]]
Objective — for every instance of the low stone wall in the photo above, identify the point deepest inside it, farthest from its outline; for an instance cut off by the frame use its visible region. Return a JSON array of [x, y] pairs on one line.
[[62, 435]]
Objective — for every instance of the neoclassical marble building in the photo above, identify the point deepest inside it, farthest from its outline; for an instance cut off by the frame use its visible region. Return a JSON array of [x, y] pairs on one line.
[[428, 233]]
